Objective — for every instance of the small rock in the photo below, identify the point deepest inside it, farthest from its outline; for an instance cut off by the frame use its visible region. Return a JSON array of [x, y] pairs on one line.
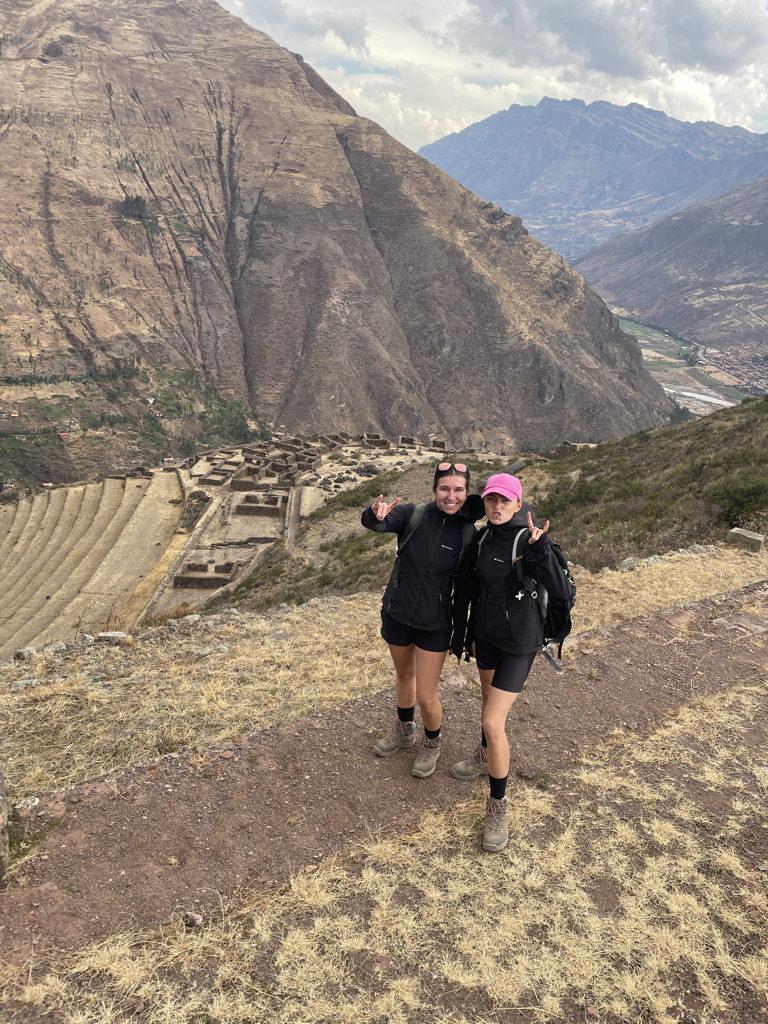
[[23, 684], [530, 772], [24, 654], [113, 637], [191, 618], [88, 639], [629, 563], [226, 755], [212, 649], [192, 920], [57, 645]]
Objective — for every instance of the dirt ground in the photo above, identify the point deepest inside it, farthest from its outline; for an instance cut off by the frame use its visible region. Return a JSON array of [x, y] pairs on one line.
[[191, 834]]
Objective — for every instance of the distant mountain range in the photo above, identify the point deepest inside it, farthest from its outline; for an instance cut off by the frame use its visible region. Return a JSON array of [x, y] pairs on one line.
[[578, 174], [700, 273]]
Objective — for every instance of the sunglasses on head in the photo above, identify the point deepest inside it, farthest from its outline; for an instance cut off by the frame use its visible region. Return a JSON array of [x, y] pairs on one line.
[[458, 466]]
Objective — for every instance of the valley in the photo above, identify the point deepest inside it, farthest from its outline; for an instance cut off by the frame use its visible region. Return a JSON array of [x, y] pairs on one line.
[[717, 379]]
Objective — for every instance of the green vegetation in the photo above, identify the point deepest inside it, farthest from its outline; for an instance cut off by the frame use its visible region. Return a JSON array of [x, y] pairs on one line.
[[359, 561], [134, 207], [661, 490], [357, 497]]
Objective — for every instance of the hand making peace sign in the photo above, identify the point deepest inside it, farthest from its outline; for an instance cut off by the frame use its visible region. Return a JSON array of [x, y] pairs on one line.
[[381, 509], [536, 531]]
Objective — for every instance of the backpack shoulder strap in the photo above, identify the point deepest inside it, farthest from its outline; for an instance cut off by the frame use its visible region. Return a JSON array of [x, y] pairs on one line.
[[517, 559], [410, 527]]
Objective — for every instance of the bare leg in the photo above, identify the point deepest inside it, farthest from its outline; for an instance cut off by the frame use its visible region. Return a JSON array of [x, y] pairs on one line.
[[405, 671], [486, 678], [429, 665], [497, 707]]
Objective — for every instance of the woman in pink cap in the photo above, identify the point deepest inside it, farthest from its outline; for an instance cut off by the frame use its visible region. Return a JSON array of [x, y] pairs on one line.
[[504, 633]]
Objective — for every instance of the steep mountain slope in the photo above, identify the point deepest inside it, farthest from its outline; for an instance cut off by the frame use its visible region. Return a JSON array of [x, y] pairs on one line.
[[186, 194], [578, 174], [700, 272]]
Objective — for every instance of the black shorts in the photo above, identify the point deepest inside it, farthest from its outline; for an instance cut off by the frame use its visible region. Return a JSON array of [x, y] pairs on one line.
[[399, 635], [509, 670]]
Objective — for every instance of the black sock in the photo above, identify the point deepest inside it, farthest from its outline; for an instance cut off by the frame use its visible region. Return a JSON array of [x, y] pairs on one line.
[[406, 714], [484, 741], [431, 734], [498, 787]]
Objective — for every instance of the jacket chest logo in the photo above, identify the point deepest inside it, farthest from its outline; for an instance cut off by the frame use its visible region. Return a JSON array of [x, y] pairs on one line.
[[445, 546]]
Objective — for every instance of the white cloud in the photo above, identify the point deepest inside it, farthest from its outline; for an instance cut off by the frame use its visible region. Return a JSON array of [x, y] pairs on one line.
[[427, 71]]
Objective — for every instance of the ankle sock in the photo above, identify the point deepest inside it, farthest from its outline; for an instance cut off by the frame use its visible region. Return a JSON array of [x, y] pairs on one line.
[[406, 714], [431, 734], [498, 787]]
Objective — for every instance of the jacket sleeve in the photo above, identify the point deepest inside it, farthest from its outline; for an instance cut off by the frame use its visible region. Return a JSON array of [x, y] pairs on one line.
[[462, 594], [393, 523], [541, 563]]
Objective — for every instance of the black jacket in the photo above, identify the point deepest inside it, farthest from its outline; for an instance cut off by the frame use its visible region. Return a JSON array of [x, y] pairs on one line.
[[423, 595], [503, 612]]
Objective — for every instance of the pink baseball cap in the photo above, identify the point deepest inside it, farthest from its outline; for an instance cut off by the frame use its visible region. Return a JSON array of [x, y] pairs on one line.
[[505, 485]]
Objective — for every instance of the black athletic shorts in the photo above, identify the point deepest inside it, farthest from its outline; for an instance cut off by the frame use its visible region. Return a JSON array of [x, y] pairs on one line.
[[399, 635], [509, 670]]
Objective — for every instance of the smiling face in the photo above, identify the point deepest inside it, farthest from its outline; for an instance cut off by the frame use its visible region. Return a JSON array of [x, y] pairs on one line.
[[499, 509], [450, 493]]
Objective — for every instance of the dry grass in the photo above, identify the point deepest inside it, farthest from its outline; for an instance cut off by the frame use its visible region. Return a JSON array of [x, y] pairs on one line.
[[158, 695], [623, 896], [616, 596]]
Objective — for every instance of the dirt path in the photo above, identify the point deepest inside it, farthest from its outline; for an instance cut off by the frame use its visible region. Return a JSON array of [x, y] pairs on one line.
[[186, 832]]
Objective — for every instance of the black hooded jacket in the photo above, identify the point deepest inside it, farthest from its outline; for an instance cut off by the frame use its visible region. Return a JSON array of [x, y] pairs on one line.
[[503, 612], [428, 594]]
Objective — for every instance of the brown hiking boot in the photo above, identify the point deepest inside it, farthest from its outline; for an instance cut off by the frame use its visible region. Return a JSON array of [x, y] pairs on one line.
[[403, 735], [496, 830], [427, 757], [473, 767]]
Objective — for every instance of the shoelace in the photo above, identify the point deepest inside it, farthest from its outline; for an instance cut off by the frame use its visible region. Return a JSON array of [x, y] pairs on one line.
[[496, 812]]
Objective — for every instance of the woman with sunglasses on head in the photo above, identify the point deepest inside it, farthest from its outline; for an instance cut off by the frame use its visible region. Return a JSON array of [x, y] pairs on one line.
[[505, 631], [425, 604]]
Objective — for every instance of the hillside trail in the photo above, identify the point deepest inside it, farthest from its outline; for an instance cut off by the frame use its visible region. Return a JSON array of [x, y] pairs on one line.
[[191, 834]]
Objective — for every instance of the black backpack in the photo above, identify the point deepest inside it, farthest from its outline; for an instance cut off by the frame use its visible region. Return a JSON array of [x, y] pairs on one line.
[[410, 528], [555, 613]]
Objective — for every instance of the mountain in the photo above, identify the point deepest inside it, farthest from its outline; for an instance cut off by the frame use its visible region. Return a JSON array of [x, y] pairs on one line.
[[190, 211], [579, 173], [699, 273]]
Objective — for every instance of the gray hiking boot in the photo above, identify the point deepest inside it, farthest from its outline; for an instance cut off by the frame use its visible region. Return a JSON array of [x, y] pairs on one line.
[[496, 830], [473, 767], [426, 761], [402, 736]]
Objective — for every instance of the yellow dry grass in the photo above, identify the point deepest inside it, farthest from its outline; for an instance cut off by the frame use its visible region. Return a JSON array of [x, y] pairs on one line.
[[624, 894], [158, 695], [605, 598]]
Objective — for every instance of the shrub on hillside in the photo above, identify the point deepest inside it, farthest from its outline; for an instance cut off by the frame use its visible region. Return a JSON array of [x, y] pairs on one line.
[[741, 496]]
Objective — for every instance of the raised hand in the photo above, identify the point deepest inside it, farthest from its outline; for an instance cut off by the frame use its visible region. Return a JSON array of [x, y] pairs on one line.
[[381, 509], [536, 531]]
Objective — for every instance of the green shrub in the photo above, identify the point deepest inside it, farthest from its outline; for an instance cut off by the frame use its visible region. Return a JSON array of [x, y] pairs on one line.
[[741, 496], [134, 207]]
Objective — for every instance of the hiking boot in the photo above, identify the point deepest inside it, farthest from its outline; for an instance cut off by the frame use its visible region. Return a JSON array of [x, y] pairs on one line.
[[426, 761], [402, 736], [473, 767], [496, 830]]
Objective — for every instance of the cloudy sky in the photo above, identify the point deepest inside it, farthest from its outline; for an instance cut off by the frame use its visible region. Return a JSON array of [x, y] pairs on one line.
[[425, 69]]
